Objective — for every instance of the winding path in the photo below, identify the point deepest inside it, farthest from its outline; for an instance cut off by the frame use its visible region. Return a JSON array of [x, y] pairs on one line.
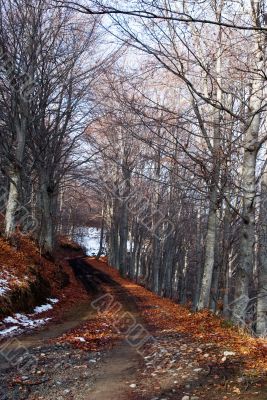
[[109, 379], [60, 371]]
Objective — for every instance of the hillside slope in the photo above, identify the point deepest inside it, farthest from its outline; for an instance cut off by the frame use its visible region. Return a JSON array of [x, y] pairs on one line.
[[29, 280]]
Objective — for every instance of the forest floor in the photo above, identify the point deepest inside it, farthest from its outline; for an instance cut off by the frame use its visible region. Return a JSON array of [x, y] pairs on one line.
[[127, 343]]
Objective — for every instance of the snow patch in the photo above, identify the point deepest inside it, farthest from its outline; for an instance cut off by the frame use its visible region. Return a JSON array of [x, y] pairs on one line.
[[21, 322], [43, 308], [53, 301], [90, 239], [4, 287], [5, 280], [5, 277], [10, 320], [81, 339], [24, 321], [8, 331]]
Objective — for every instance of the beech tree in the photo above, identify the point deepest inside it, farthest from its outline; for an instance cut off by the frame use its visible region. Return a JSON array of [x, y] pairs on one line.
[[164, 135], [218, 64], [44, 86]]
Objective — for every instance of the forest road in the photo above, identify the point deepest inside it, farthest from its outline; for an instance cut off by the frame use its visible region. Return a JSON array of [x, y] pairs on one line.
[[38, 366], [120, 364], [60, 363]]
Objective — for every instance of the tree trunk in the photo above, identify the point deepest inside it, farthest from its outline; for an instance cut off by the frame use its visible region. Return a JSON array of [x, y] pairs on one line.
[[210, 243], [198, 263], [262, 289], [245, 271], [15, 178], [46, 236], [12, 204], [124, 221], [100, 251], [204, 298]]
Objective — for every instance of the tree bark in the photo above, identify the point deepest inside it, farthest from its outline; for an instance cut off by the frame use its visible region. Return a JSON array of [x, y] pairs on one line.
[[15, 177], [251, 147], [262, 278], [209, 252], [46, 236], [210, 243]]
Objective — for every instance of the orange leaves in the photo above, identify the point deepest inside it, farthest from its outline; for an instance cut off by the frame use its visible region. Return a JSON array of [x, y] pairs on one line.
[[163, 315], [93, 335], [21, 265]]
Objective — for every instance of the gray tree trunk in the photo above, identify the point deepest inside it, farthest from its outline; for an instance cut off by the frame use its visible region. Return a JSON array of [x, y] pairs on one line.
[[46, 237], [262, 289], [210, 242], [245, 271], [100, 251], [124, 221], [226, 261], [15, 177]]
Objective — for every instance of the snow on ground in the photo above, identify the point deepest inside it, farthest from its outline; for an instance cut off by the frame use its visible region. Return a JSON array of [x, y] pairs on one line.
[[5, 278], [53, 301], [21, 322], [90, 239], [81, 339], [4, 287], [45, 307], [25, 321], [10, 331], [16, 324]]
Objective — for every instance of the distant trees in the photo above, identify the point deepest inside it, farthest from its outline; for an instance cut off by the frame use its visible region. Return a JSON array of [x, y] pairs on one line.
[[168, 145], [203, 140]]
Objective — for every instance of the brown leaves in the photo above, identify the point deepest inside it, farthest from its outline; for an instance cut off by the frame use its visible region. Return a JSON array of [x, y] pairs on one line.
[[95, 335], [20, 266], [163, 315]]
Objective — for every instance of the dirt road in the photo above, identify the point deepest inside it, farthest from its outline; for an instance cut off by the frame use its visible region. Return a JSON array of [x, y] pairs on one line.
[[32, 367], [47, 365]]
